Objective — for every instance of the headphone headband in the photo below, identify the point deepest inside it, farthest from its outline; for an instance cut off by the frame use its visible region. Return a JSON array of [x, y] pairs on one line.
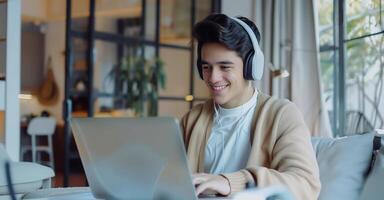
[[257, 60]]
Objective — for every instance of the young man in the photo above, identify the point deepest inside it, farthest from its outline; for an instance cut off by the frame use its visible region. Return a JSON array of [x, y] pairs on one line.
[[240, 136]]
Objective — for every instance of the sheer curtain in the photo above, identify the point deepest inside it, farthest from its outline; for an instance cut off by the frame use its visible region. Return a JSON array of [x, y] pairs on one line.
[[290, 41]]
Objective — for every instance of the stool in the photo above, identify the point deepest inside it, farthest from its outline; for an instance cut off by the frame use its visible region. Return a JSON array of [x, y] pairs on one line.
[[42, 126]]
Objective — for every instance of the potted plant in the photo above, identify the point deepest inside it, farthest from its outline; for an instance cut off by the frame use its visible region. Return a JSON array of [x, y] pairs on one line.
[[138, 81]]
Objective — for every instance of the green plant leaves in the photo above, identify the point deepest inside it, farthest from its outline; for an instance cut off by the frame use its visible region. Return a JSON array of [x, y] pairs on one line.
[[139, 80]]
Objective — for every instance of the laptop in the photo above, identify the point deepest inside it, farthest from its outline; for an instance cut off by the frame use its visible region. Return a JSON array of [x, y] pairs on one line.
[[134, 158]]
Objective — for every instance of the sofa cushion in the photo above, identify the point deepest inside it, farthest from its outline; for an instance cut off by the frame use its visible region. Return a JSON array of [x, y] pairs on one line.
[[26, 177], [373, 188], [3, 154], [343, 163]]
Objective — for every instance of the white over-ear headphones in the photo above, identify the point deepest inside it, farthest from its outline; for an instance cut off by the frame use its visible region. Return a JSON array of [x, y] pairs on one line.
[[254, 62]]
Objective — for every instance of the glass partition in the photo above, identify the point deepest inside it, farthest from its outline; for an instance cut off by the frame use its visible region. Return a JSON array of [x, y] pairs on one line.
[[3, 23], [3, 18]]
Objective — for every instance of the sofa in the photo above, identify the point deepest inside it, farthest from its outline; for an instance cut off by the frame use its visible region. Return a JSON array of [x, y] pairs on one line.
[[351, 168]]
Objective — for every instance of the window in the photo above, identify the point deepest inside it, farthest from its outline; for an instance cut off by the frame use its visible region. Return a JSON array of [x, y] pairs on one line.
[[351, 34]]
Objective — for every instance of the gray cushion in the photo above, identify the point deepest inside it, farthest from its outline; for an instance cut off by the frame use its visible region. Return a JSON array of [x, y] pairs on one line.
[[3, 153], [374, 186], [26, 177], [343, 164]]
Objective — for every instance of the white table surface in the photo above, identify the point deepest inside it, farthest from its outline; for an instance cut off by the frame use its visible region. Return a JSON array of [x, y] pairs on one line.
[[80, 193]]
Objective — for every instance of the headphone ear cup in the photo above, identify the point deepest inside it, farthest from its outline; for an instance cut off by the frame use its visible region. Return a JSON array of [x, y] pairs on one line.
[[247, 70]]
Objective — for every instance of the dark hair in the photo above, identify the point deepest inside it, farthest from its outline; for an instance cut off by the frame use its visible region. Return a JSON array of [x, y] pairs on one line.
[[222, 29]]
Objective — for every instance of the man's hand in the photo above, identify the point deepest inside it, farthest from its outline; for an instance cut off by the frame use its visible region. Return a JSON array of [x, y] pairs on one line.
[[208, 182]]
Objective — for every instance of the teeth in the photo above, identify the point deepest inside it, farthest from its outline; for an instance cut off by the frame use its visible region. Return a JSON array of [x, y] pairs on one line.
[[218, 87]]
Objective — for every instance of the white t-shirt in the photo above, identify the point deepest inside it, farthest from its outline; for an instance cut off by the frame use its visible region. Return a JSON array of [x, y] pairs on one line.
[[228, 146]]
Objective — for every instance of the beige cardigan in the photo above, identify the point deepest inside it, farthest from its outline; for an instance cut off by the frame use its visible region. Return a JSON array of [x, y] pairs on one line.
[[281, 152]]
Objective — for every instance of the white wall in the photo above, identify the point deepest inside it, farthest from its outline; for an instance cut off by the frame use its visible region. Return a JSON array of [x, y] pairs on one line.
[[244, 8], [105, 59], [12, 85]]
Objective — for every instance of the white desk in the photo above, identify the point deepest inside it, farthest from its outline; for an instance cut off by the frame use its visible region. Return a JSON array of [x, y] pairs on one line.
[[75, 193], [84, 193]]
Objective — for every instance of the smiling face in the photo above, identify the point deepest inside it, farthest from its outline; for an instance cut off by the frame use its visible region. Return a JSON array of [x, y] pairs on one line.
[[223, 74]]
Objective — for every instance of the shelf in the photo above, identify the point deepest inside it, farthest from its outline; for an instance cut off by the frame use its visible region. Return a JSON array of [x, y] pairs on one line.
[[2, 39], [79, 114]]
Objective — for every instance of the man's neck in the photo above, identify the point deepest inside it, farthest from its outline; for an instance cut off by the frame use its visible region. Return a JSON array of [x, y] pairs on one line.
[[245, 97]]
